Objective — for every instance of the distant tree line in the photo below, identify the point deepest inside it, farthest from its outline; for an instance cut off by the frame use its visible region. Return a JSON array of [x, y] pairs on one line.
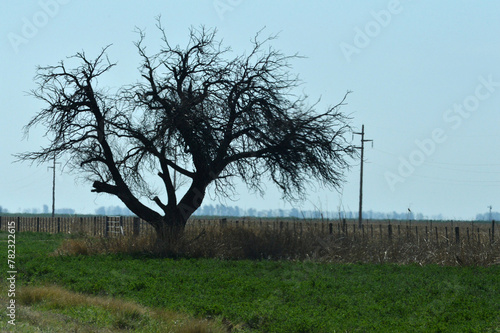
[[44, 211], [113, 211], [488, 217], [223, 210], [236, 211]]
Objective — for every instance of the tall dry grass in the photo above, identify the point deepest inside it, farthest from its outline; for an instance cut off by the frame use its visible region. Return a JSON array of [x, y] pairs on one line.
[[311, 244], [126, 315]]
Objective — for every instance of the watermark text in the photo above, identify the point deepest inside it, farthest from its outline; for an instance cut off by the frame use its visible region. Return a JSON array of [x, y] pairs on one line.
[[453, 117], [363, 36], [224, 6], [11, 272], [30, 26]]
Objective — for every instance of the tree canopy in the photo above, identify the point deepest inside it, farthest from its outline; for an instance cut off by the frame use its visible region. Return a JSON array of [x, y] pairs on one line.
[[196, 117]]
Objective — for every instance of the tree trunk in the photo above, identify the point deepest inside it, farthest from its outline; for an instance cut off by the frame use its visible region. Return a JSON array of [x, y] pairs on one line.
[[169, 229]]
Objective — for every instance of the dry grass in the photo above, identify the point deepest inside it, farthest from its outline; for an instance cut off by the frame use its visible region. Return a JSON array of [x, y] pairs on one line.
[[372, 246], [41, 308], [88, 245]]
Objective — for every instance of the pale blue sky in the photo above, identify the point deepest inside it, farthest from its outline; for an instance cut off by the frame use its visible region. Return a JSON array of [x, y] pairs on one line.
[[425, 77]]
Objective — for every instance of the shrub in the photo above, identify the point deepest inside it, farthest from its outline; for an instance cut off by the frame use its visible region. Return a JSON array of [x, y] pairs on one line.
[[258, 243]]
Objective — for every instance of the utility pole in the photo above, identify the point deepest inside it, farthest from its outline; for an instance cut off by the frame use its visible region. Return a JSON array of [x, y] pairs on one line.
[[53, 167], [363, 140], [490, 207]]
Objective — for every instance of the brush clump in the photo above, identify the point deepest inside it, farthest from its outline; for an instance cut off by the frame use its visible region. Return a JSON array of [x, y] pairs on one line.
[[308, 243]]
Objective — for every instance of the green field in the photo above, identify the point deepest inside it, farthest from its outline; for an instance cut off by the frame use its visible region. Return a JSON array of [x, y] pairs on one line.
[[260, 295]]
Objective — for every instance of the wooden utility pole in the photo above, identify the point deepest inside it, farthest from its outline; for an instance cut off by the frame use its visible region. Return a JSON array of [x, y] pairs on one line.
[[362, 133], [53, 167]]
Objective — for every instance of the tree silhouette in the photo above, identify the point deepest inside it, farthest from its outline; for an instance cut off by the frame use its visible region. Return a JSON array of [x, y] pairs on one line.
[[195, 116]]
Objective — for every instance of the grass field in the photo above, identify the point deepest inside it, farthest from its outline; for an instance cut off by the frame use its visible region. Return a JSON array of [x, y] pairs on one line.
[[118, 292]]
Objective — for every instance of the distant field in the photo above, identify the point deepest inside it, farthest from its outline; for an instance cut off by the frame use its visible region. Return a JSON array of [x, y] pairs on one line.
[[258, 295]]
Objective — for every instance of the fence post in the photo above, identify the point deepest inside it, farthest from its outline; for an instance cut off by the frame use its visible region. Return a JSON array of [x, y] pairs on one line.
[[492, 231], [457, 235], [122, 228], [389, 229], [80, 229], [58, 225], [136, 226], [18, 224], [106, 227], [38, 224]]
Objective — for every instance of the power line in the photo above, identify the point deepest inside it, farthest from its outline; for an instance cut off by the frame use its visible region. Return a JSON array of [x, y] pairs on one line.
[[463, 170], [431, 163], [457, 181]]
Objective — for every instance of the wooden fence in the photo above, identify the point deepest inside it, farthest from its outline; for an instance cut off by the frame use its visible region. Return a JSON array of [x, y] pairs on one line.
[[92, 225], [106, 226]]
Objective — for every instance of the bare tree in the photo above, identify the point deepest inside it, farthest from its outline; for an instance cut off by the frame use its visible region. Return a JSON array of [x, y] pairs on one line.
[[195, 115]]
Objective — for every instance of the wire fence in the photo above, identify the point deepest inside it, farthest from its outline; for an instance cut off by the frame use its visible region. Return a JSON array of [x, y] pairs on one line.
[[110, 226]]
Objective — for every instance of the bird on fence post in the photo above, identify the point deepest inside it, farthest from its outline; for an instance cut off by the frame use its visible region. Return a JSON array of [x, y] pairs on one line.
[[409, 215]]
